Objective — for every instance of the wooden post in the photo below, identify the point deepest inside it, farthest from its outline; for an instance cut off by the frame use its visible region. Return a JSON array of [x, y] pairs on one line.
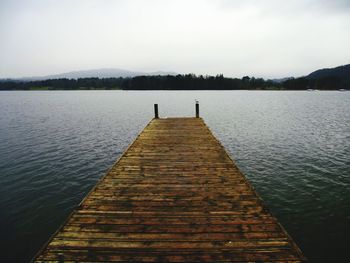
[[197, 109], [156, 111]]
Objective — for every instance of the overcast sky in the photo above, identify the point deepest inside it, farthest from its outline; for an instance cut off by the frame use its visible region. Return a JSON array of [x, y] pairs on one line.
[[266, 38]]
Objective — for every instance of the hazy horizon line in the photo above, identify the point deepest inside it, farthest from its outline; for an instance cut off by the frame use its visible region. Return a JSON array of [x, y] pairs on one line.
[[136, 71]]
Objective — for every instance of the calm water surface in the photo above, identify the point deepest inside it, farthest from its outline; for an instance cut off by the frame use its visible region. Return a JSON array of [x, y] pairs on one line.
[[293, 146]]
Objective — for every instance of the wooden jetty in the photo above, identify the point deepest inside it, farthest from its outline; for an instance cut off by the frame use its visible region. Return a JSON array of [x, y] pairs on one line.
[[174, 196]]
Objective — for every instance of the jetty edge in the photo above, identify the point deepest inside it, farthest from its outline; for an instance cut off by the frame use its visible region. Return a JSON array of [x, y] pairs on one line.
[[174, 195]]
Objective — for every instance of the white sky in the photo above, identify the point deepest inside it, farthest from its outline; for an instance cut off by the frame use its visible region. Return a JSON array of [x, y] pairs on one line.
[[266, 38]]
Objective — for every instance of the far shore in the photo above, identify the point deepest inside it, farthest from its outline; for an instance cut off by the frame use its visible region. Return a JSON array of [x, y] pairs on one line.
[[49, 89]]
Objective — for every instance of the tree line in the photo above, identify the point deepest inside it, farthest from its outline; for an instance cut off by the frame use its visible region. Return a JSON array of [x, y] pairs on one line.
[[324, 83], [178, 82]]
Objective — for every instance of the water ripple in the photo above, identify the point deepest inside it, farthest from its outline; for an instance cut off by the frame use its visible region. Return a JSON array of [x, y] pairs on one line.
[[293, 146]]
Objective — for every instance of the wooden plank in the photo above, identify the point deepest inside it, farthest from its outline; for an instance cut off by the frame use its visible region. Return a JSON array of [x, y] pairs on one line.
[[176, 196]]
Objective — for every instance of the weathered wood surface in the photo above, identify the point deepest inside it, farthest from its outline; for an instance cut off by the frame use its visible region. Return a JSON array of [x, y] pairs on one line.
[[174, 196]]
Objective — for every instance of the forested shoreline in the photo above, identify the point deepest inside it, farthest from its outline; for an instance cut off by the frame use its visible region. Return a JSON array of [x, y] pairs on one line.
[[178, 82]]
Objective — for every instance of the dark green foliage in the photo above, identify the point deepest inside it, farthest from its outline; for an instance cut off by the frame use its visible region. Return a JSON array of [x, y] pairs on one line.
[[64, 84], [323, 83], [330, 78], [182, 82], [296, 84], [178, 82]]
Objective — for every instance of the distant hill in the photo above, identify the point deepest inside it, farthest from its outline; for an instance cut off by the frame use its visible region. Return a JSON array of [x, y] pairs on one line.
[[341, 72], [324, 79], [98, 73], [281, 80], [337, 78]]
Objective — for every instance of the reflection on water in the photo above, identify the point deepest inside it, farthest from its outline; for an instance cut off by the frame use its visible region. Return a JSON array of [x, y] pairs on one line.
[[293, 146]]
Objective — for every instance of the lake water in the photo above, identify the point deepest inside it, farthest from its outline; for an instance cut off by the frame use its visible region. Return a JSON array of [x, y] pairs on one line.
[[293, 146]]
